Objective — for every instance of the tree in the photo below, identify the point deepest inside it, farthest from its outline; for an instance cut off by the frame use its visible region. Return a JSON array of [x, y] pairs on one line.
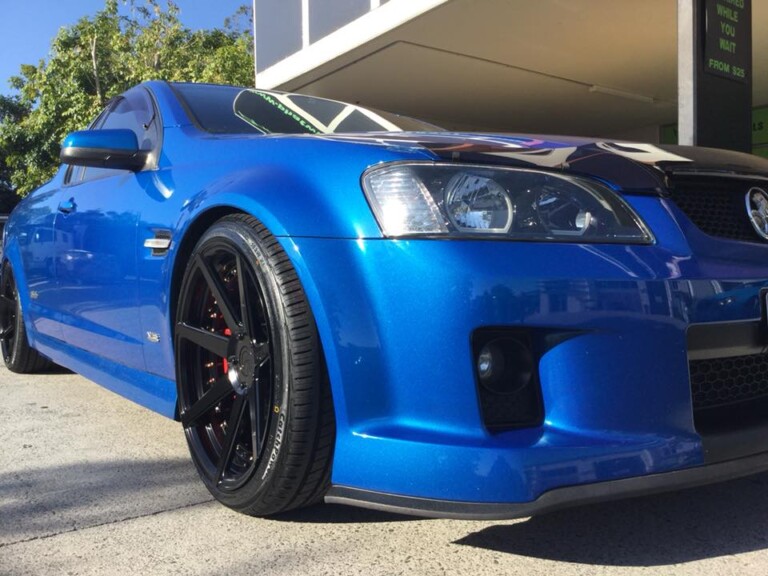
[[98, 58], [12, 111]]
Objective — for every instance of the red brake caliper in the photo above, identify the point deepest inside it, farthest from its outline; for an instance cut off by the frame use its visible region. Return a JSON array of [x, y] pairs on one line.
[[225, 364]]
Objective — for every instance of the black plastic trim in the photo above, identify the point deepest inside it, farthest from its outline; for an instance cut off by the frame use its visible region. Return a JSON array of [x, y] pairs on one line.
[[104, 158], [732, 175], [726, 339], [554, 499], [157, 118], [525, 405], [186, 107], [735, 443]]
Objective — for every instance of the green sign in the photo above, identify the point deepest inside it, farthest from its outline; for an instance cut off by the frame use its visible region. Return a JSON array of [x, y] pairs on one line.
[[760, 126], [728, 43], [668, 134], [760, 151]]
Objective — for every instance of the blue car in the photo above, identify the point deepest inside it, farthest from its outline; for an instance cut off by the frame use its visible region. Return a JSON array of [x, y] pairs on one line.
[[345, 305]]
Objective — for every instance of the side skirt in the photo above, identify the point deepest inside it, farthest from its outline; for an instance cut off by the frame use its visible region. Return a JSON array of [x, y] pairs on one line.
[[151, 391]]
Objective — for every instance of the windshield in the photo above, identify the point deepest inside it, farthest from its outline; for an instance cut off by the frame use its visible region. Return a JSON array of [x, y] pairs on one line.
[[231, 110]]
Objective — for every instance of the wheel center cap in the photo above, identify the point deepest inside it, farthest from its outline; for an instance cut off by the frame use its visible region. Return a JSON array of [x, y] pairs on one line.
[[242, 365], [246, 362]]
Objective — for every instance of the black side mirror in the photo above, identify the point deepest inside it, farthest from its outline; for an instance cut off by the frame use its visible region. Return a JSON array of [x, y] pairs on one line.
[[118, 149]]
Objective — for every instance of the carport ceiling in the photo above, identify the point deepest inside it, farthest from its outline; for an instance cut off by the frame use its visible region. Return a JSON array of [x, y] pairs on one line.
[[529, 66]]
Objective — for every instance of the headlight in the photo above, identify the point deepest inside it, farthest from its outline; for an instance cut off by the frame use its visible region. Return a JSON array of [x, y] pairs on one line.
[[425, 199]]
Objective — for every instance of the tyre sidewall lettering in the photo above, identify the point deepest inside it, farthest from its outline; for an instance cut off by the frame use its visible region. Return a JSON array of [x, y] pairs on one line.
[[277, 443]]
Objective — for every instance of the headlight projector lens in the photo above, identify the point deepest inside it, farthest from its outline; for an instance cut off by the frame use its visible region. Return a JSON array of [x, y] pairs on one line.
[[477, 204]]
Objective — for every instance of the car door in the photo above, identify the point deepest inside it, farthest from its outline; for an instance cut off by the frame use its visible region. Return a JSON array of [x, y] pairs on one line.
[[37, 249], [97, 244]]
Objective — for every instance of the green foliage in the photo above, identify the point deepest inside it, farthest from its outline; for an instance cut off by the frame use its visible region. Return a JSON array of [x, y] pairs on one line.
[[98, 58], [12, 111]]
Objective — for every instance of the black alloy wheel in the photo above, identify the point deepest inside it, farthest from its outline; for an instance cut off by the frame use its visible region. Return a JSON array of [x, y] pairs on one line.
[[254, 398], [18, 355]]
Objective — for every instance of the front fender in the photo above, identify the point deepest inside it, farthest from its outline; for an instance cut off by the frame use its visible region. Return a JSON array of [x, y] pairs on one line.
[[296, 186]]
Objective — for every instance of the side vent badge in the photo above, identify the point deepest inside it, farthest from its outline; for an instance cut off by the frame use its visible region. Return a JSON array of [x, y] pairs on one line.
[[160, 243], [153, 337]]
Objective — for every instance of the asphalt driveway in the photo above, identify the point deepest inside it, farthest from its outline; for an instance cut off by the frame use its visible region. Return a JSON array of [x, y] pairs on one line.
[[92, 484]]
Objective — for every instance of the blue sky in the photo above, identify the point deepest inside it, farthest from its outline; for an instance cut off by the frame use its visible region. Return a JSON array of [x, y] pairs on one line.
[[28, 26]]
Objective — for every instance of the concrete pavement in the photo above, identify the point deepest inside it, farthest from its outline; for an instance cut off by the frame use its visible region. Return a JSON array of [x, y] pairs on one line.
[[93, 484]]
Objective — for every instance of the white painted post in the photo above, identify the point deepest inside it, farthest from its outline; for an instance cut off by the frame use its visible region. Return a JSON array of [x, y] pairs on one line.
[[255, 64], [686, 70]]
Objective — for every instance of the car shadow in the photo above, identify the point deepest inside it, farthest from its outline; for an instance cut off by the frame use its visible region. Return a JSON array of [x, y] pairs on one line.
[[51, 500], [661, 530], [55, 370]]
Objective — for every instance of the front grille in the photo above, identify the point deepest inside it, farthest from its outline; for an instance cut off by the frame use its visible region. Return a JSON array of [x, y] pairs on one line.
[[730, 394], [721, 382], [728, 369], [717, 206]]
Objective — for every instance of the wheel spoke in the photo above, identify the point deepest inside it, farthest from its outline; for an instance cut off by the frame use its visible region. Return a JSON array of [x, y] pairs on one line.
[[243, 292], [7, 325], [7, 332], [7, 306], [214, 343], [215, 394], [254, 406], [261, 349], [230, 439], [7, 318], [259, 396], [219, 293]]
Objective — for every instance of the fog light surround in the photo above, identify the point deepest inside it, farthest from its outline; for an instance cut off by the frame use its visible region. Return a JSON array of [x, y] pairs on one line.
[[506, 369]]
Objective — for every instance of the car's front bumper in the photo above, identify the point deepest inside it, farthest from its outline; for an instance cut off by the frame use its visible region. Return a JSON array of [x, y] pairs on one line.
[[396, 320]]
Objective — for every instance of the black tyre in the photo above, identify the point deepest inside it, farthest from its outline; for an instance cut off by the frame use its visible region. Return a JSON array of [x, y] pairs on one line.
[[254, 398], [18, 355]]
